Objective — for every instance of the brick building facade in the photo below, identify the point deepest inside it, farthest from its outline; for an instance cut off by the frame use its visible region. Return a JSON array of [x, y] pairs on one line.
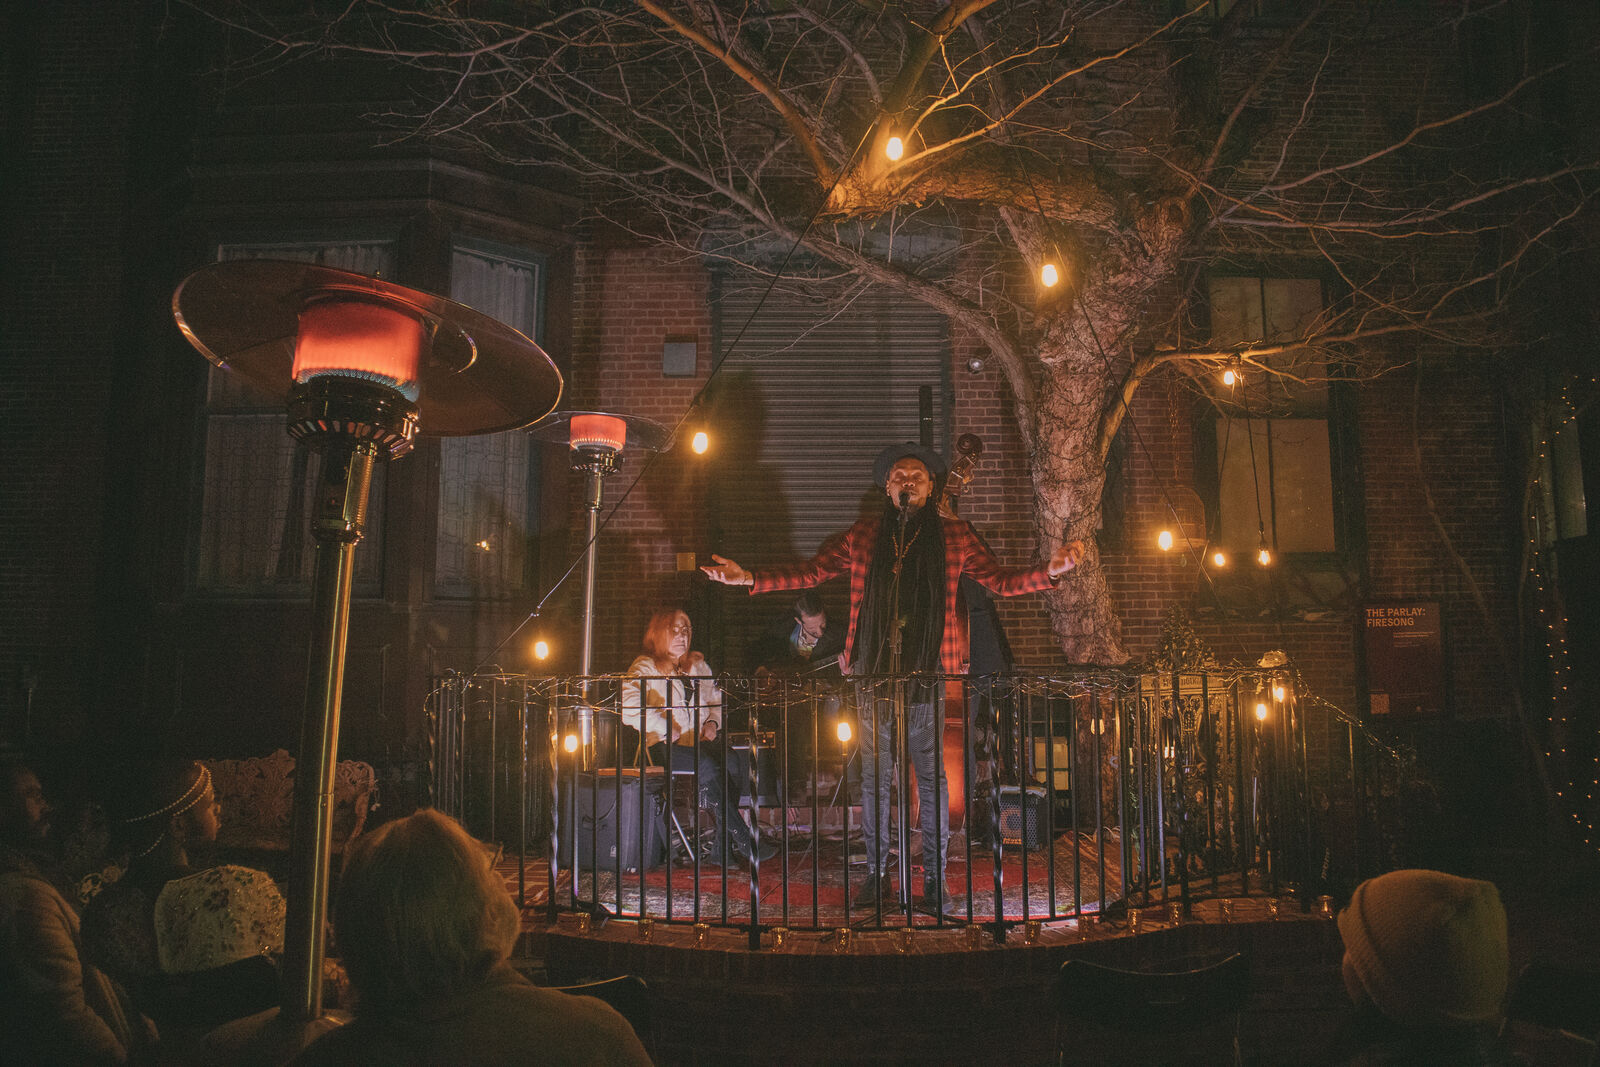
[[134, 163]]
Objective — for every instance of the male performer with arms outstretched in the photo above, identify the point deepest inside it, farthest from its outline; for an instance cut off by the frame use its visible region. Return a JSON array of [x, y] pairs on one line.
[[905, 566]]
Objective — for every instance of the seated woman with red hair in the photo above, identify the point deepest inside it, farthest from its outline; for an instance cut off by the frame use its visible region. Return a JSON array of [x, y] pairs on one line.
[[680, 704]]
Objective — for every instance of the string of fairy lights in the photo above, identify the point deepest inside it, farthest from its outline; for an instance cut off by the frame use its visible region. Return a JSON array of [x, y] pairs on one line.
[[1557, 655], [1232, 378]]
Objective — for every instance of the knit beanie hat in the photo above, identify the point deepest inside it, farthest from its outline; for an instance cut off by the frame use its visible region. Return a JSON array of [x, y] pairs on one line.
[[1428, 948]]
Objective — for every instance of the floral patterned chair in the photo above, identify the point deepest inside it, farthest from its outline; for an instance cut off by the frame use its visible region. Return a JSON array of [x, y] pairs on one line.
[[257, 797]]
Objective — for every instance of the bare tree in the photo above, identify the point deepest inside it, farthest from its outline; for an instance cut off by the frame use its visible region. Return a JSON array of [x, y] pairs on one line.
[[1132, 143]]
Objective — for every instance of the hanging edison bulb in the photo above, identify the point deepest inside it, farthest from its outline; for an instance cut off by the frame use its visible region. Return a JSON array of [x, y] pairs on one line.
[[1264, 556], [1219, 558], [541, 649], [1231, 377], [701, 442], [894, 149], [1164, 540], [1049, 275]]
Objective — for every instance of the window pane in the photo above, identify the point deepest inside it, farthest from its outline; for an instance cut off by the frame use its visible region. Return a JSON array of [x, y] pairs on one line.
[[483, 523], [1289, 482], [255, 533]]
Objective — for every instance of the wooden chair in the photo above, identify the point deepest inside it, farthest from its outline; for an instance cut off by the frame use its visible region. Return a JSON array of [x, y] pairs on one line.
[[627, 993], [1153, 1017]]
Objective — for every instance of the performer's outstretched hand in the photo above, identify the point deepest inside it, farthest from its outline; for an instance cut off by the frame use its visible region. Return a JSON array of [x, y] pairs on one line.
[[727, 572], [1066, 557]]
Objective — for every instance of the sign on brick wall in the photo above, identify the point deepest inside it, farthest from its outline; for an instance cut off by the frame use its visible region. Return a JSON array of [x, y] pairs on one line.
[[1405, 658]]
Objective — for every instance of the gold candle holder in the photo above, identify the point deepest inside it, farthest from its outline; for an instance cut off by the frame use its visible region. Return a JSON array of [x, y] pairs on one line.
[[1031, 929], [702, 935], [902, 939], [585, 922], [841, 939], [780, 938], [646, 928]]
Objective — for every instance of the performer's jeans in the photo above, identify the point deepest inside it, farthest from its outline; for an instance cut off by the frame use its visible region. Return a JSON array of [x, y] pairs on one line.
[[923, 744], [720, 768]]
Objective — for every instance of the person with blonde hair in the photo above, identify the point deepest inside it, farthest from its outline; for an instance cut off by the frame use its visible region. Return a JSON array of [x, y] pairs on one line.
[[424, 928]]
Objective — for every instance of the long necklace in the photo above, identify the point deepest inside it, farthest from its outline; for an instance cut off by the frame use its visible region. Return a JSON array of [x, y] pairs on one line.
[[900, 550]]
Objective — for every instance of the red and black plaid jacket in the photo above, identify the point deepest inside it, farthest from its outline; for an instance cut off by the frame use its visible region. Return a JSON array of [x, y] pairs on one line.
[[964, 553]]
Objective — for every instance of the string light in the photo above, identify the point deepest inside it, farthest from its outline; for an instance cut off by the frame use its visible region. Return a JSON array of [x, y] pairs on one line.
[[1164, 540], [894, 149], [1219, 558], [1049, 275], [1264, 556], [701, 442], [541, 649], [1555, 644]]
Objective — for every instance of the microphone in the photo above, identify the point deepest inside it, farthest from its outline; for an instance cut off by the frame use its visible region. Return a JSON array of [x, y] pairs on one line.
[[905, 499]]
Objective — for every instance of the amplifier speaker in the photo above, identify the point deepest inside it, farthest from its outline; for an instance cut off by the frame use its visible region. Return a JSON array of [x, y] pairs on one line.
[[608, 827], [1022, 816]]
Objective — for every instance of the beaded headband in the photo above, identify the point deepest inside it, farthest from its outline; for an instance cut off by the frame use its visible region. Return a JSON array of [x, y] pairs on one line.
[[189, 799]]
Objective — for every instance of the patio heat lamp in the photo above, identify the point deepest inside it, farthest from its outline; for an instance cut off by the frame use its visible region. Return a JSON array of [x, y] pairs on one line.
[[362, 365], [595, 440]]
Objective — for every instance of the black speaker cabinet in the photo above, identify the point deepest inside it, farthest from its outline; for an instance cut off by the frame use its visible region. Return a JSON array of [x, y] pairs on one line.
[[1022, 816], [609, 826]]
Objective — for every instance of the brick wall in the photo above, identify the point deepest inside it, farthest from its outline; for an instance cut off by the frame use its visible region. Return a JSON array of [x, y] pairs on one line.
[[68, 101]]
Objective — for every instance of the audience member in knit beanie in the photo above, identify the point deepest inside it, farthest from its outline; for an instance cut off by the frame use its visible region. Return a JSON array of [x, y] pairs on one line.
[[1427, 949]]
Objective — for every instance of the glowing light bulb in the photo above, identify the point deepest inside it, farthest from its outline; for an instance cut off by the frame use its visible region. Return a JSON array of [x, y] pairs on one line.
[[1264, 557], [1049, 276], [1164, 540], [541, 649], [894, 149], [701, 442], [843, 732], [1220, 559], [1230, 377], [1261, 710], [1280, 692], [570, 743]]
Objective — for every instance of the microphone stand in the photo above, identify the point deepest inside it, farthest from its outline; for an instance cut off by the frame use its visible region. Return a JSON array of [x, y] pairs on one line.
[[901, 727]]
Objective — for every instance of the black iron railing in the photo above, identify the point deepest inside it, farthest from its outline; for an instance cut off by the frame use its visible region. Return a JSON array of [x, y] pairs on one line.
[[1076, 793]]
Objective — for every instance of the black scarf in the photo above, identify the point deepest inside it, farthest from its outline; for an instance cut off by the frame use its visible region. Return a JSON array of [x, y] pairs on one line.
[[920, 553]]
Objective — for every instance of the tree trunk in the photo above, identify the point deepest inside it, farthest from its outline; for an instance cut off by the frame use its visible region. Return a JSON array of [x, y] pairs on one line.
[[1068, 476]]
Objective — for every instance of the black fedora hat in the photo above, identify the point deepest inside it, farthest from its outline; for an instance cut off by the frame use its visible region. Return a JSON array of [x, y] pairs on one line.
[[909, 450]]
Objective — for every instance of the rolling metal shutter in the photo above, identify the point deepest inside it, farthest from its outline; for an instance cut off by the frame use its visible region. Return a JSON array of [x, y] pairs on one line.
[[806, 400]]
